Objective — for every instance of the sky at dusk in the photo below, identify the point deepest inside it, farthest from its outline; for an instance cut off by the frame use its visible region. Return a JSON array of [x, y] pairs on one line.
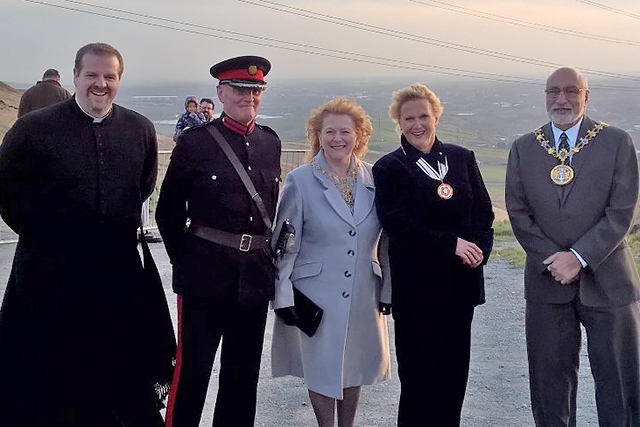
[[168, 40]]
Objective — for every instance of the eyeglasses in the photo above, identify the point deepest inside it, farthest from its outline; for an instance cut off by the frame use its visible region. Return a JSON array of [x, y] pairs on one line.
[[569, 92], [255, 91]]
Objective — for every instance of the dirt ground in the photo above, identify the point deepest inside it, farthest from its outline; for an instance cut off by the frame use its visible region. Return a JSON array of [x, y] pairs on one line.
[[497, 394]]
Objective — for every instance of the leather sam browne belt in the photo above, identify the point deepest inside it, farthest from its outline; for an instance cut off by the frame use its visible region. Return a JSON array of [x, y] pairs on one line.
[[241, 242]]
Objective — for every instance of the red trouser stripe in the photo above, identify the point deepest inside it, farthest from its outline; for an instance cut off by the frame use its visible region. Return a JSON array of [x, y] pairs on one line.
[[176, 371]]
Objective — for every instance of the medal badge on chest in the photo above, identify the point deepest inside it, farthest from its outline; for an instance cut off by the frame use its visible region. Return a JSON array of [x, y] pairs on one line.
[[563, 173], [444, 190]]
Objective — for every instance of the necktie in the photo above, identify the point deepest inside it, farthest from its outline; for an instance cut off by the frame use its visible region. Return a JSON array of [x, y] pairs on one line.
[[564, 142]]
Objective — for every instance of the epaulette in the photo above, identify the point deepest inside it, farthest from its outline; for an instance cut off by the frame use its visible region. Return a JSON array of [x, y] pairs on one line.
[[190, 128]]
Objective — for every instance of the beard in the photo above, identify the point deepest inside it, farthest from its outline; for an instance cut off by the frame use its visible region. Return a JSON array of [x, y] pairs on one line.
[[564, 118]]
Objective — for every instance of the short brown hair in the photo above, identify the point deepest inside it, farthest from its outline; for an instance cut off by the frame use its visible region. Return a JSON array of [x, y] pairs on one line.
[[345, 106], [415, 91], [99, 49], [51, 73]]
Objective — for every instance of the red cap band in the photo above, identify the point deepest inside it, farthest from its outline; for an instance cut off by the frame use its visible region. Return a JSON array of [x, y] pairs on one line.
[[243, 74]]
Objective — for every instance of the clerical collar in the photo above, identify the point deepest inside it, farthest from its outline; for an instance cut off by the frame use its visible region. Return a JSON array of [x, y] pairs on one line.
[[572, 133], [95, 119], [237, 127]]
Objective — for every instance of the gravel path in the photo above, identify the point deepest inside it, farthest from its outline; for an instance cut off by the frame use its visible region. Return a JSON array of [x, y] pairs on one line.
[[497, 395]]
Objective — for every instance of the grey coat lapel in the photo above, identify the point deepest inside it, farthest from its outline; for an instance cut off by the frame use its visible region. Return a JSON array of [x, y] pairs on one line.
[[578, 159], [365, 189], [550, 161]]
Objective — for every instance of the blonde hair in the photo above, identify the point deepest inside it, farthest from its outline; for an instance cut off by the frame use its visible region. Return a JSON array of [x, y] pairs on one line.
[[415, 91], [344, 106]]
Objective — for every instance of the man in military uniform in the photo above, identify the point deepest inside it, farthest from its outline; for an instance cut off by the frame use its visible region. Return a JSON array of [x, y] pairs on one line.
[[222, 265]]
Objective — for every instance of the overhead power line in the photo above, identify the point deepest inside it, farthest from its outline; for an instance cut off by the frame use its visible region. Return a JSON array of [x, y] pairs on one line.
[[526, 24], [281, 44], [196, 29], [420, 39], [610, 9]]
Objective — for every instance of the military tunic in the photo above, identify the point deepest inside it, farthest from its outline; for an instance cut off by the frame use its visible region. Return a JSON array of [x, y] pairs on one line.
[[202, 186]]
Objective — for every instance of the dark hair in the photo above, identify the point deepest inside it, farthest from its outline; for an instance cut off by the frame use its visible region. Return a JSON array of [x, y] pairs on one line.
[[209, 100], [51, 73], [99, 49]]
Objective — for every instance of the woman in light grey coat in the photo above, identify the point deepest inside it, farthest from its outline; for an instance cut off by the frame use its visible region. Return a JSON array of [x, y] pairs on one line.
[[334, 261]]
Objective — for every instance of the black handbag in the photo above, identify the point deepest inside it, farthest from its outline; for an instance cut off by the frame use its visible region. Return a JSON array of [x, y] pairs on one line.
[[309, 314]]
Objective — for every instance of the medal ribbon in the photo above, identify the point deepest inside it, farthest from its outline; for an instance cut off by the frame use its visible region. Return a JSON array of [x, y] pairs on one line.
[[430, 171]]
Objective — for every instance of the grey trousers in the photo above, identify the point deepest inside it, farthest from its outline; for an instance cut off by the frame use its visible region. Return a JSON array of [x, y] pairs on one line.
[[553, 347]]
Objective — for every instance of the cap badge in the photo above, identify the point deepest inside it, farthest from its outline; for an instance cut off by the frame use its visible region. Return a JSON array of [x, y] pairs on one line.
[[252, 70]]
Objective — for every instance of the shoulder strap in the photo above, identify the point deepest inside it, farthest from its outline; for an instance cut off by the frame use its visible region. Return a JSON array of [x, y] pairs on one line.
[[231, 155]]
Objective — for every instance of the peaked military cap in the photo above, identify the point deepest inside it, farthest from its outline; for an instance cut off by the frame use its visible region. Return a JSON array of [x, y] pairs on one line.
[[242, 71]]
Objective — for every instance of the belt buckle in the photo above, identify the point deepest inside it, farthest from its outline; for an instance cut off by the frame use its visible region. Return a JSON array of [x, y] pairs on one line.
[[245, 242]]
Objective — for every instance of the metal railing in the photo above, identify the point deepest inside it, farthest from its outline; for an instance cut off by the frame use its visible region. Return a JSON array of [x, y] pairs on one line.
[[290, 159]]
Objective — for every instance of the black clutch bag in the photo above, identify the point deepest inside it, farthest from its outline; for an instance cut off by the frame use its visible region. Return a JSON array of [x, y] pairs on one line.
[[309, 314]]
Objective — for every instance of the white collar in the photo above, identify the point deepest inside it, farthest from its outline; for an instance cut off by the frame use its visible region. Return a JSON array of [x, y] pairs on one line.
[[95, 119], [572, 133]]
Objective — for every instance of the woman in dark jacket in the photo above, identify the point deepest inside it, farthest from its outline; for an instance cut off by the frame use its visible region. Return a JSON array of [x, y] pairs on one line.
[[432, 200]]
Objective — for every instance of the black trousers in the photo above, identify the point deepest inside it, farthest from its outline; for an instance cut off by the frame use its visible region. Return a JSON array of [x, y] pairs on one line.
[[433, 347], [202, 324]]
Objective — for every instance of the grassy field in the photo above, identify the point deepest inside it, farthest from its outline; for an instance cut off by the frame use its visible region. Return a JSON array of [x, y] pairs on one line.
[[507, 248]]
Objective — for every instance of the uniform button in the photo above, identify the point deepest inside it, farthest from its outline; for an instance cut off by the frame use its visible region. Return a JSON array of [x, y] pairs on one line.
[[345, 294], [247, 143], [251, 218], [249, 167], [214, 177], [347, 274], [351, 252], [352, 233]]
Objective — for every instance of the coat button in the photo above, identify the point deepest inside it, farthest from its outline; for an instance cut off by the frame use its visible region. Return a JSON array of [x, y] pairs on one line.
[[347, 274], [249, 167], [345, 294], [214, 177], [351, 252], [352, 233]]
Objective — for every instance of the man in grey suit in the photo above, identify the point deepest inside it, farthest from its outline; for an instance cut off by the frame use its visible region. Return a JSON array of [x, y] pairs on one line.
[[571, 194]]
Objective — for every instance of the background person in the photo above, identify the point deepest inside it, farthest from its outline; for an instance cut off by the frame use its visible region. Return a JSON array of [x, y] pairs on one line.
[[223, 284], [579, 270], [433, 204], [77, 326], [46, 92], [191, 116], [206, 108], [329, 202]]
